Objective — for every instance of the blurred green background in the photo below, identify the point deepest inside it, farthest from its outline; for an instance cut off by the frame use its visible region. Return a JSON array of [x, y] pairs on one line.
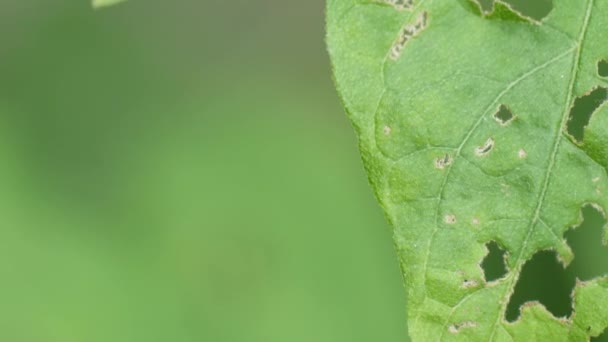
[[183, 171]]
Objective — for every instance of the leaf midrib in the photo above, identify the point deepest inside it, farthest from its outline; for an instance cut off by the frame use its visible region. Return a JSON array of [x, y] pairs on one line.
[[555, 151], [461, 147], [556, 146]]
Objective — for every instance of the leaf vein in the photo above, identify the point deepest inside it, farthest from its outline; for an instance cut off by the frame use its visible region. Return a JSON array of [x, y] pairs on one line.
[[552, 161]]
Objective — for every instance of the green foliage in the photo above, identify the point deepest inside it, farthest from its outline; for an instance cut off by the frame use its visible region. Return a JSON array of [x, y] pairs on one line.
[[466, 115], [104, 3]]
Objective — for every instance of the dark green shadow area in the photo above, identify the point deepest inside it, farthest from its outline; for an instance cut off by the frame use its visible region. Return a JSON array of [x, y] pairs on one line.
[[602, 338], [536, 10], [493, 264], [602, 68], [542, 279], [582, 110], [504, 115], [590, 253]]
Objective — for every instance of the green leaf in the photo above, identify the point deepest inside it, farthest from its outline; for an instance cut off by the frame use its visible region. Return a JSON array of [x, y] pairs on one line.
[[104, 3], [466, 128]]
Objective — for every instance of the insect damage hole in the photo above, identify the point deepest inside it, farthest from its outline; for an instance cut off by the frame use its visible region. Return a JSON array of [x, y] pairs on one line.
[[469, 284], [521, 9], [504, 115], [482, 151], [449, 219], [457, 327], [602, 68], [407, 33], [485, 6], [582, 110], [588, 243], [399, 5], [544, 279], [493, 264], [602, 337], [443, 162]]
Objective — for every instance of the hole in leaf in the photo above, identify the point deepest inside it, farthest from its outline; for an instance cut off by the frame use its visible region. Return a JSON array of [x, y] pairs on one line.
[[602, 68], [399, 5], [443, 162], [481, 151], [456, 328], [581, 112], [486, 5], [544, 279], [410, 31], [586, 241], [602, 338], [493, 265], [504, 115], [537, 10]]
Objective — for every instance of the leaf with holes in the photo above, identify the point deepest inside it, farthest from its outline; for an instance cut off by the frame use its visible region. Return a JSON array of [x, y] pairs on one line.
[[104, 3], [481, 129]]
